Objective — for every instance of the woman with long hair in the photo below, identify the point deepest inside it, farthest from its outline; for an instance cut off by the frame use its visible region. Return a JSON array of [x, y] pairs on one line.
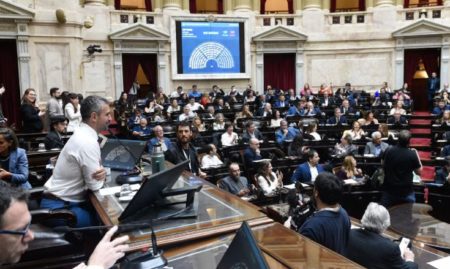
[[13, 160], [276, 119], [269, 181], [349, 169], [72, 112], [197, 122], [311, 132], [356, 132], [31, 114]]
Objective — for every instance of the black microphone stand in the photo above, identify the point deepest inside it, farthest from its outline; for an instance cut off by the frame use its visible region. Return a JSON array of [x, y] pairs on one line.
[[150, 259]]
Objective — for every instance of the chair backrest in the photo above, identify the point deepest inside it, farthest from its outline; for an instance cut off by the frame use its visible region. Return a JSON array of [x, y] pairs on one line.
[[336, 169]]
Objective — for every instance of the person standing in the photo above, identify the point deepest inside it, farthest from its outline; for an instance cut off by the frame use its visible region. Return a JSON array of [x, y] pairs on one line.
[[399, 163], [434, 85], [54, 104], [79, 167], [72, 112], [133, 92], [31, 114]]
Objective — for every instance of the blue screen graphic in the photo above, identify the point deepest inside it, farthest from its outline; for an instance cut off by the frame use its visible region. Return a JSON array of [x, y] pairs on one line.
[[210, 47]]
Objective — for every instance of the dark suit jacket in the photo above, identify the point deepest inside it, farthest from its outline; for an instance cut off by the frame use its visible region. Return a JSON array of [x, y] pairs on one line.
[[32, 123], [175, 155], [391, 120], [53, 140], [246, 136], [250, 156], [342, 120], [372, 250], [303, 174]]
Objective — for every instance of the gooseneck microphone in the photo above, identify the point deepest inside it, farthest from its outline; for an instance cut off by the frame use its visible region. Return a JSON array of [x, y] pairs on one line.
[[122, 228]]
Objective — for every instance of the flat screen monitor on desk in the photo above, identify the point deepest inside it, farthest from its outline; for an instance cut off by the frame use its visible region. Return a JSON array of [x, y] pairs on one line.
[[150, 202], [243, 251], [121, 154]]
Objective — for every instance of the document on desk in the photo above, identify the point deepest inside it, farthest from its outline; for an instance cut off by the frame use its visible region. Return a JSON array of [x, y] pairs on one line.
[[292, 186], [116, 189], [441, 263]]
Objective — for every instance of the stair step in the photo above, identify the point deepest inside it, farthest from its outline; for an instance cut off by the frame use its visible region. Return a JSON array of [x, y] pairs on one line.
[[420, 131], [420, 141], [424, 155], [428, 173], [421, 113], [420, 122]]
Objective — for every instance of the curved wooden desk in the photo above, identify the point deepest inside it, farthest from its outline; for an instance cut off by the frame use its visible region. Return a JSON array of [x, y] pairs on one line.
[[415, 222]]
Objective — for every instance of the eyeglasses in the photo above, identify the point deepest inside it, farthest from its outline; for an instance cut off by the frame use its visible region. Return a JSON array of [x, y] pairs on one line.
[[23, 232]]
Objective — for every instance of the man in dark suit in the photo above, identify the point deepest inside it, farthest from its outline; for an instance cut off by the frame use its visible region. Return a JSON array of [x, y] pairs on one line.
[[53, 140], [308, 171], [397, 119], [370, 249], [434, 85], [251, 132], [266, 111], [252, 153], [326, 101], [338, 118], [442, 174]]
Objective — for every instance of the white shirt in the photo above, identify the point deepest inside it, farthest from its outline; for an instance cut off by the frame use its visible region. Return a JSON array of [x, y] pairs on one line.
[[183, 116], [171, 109], [229, 140], [313, 171], [74, 117], [211, 161], [77, 162], [268, 186], [275, 122], [195, 106]]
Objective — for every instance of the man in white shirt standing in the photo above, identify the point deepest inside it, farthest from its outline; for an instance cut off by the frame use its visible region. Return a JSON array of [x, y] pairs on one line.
[[79, 167]]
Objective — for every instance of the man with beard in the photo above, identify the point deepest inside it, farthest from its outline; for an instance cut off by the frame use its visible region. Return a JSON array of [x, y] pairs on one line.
[[54, 104], [79, 168], [234, 183], [183, 149]]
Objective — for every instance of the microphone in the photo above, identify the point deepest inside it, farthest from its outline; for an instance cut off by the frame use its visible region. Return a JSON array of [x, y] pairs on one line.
[[121, 228]]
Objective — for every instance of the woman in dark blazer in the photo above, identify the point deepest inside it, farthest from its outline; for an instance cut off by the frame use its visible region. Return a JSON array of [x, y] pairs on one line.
[[13, 160], [31, 115]]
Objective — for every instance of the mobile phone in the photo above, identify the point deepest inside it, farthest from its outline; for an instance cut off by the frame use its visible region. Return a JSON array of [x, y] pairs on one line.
[[404, 243]]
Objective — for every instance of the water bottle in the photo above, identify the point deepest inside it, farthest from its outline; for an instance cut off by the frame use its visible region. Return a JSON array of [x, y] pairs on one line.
[[158, 161]]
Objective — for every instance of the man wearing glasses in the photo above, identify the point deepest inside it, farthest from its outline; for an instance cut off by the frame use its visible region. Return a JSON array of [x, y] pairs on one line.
[[15, 233]]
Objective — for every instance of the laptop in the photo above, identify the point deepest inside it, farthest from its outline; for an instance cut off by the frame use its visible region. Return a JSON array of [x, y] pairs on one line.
[[243, 251], [148, 200], [122, 154]]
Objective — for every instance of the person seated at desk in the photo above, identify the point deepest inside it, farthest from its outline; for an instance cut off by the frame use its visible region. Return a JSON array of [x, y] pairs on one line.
[[142, 129], [174, 107], [229, 138], [443, 174], [311, 110], [78, 167], [159, 139], [383, 128], [397, 119], [197, 123], [219, 122], [13, 160], [330, 224], [194, 93], [252, 153], [281, 102], [268, 181], [346, 147], [211, 158], [346, 108], [265, 112], [183, 149], [398, 108], [311, 132], [53, 140], [308, 171], [297, 147], [234, 183], [439, 110], [195, 106], [444, 121], [285, 133], [338, 118], [244, 113], [356, 132], [326, 100], [276, 119], [348, 169], [187, 114], [376, 146], [16, 234], [251, 132], [135, 119], [368, 247], [297, 109], [369, 119]]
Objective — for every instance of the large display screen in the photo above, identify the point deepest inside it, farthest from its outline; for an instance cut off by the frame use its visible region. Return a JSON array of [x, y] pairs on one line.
[[210, 47]]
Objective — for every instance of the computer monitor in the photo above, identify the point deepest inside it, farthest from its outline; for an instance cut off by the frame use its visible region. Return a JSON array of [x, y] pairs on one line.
[[149, 195], [243, 251], [122, 154]]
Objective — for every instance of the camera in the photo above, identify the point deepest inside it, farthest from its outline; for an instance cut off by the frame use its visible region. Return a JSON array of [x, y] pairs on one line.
[[94, 48]]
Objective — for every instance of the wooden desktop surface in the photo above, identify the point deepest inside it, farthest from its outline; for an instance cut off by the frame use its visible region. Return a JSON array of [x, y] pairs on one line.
[[414, 221], [282, 248], [219, 212]]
